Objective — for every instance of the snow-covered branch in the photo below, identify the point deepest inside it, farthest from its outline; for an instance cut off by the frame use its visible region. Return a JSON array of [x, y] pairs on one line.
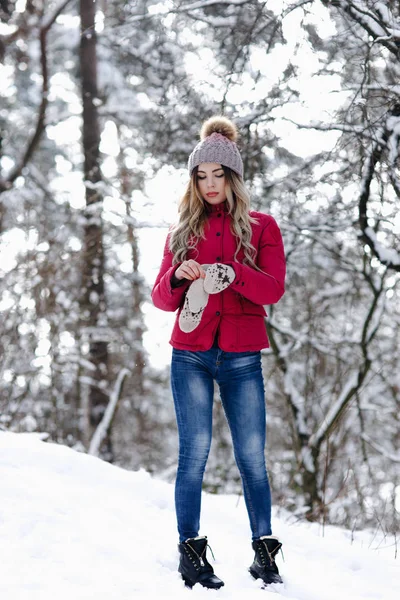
[[207, 3], [298, 403], [356, 378], [334, 413], [380, 449], [46, 25], [50, 19], [104, 425], [374, 319], [299, 339], [343, 127], [387, 256], [376, 20]]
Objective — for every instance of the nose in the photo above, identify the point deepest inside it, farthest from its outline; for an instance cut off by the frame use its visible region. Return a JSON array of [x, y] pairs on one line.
[[210, 181]]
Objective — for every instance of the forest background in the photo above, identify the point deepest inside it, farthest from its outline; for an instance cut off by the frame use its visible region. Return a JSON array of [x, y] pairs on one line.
[[101, 103]]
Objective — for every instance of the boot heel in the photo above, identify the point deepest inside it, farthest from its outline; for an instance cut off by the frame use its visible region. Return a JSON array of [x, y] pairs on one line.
[[254, 574], [187, 581]]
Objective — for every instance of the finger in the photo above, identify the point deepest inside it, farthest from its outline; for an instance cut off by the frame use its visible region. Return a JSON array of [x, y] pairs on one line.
[[192, 274], [194, 269], [179, 273], [200, 272], [187, 273]]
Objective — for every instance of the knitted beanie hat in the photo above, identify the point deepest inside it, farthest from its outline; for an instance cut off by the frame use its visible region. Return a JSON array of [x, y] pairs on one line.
[[217, 144]]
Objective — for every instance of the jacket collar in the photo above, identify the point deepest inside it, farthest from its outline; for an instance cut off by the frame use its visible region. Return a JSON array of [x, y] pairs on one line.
[[216, 208]]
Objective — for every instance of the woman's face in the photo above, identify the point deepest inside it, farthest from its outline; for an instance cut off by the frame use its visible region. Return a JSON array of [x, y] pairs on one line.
[[211, 182]]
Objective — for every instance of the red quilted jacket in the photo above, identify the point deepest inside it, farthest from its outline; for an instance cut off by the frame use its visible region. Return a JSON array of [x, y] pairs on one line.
[[237, 313]]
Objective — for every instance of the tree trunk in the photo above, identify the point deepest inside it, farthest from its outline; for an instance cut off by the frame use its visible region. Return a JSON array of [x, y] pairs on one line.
[[93, 302], [137, 290], [310, 470]]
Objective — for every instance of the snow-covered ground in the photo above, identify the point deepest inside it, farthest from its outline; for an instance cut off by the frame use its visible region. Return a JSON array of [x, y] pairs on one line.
[[75, 528]]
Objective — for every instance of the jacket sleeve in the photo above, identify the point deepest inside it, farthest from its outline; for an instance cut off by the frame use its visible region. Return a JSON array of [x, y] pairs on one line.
[[163, 295], [268, 285]]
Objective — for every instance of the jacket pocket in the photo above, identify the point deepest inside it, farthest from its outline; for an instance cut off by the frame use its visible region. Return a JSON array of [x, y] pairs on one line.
[[250, 308]]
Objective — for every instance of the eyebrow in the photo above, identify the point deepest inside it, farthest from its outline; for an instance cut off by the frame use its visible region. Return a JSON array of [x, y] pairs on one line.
[[214, 170]]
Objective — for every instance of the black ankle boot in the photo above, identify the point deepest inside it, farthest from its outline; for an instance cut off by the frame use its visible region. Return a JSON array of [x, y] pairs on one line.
[[264, 565], [194, 566]]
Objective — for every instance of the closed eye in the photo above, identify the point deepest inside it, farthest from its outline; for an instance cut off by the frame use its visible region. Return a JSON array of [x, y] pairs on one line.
[[200, 177]]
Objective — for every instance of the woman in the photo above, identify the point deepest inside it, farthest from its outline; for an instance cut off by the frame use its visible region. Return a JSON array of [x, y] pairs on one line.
[[222, 263]]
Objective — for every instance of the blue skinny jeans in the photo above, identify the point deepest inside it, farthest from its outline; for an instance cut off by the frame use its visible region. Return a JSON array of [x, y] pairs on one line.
[[241, 387]]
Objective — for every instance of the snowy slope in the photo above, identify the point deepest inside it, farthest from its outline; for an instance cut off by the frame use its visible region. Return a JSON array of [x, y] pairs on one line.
[[74, 527]]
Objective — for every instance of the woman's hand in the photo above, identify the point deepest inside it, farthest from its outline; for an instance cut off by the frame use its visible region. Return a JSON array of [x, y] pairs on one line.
[[191, 270]]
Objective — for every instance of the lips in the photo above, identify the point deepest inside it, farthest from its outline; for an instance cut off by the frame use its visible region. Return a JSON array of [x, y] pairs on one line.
[[212, 194]]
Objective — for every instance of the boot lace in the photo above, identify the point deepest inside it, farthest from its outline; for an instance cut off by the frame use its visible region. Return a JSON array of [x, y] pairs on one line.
[[200, 561], [267, 557]]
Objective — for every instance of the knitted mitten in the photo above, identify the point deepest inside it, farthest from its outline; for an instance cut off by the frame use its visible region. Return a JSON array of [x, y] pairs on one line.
[[218, 278], [193, 308]]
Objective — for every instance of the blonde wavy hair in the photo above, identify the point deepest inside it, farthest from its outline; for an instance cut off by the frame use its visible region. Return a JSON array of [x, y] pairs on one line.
[[193, 216]]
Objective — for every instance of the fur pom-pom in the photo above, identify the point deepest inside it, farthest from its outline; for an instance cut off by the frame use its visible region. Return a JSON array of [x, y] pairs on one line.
[[220, 125]]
